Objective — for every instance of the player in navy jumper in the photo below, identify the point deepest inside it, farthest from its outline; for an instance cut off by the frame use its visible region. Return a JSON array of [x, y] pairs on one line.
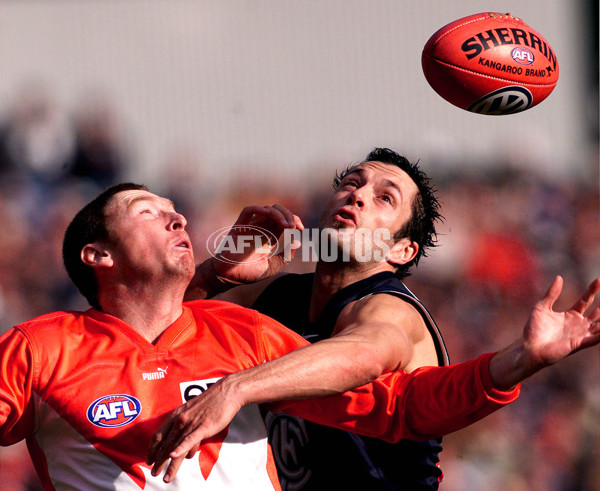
[[360, 338], [320, 454]]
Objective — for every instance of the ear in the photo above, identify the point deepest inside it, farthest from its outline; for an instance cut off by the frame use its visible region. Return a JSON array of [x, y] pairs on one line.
[[402, 252], [96, 256]]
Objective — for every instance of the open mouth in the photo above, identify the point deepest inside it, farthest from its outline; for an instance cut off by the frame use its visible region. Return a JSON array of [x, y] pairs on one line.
[[345, 217], [183, 244]]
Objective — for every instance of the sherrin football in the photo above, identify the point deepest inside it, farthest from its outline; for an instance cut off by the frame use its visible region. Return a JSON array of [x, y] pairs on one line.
[[490, 63]]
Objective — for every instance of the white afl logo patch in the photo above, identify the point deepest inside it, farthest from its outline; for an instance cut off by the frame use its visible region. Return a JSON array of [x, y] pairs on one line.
[[114, 410], [507, 100], [524, 56]]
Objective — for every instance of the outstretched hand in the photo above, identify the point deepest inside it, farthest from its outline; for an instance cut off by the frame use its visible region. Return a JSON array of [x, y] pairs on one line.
[[254, 251], [551, 336], [548, 336]]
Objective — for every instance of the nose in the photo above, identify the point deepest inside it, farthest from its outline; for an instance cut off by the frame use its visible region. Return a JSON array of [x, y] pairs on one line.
[[177, 221], [356, 197]]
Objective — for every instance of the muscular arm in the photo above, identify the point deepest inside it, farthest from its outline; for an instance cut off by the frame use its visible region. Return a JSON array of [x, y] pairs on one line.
[[547, 338], [372, 337], [426, 403]]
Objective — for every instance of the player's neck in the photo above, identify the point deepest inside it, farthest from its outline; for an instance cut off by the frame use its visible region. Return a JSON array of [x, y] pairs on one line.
[[145, 309], [330, 278]]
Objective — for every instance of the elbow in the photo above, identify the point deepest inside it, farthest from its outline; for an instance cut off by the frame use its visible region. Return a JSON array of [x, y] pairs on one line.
[[367, 364]]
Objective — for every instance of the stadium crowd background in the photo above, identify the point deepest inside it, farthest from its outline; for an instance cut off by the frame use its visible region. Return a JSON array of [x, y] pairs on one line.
[[508, 230], [506, 233]]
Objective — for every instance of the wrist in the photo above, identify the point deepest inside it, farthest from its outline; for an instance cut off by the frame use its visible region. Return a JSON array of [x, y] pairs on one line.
[[227, 283], [511, 366], [207, 282], [231, 388]]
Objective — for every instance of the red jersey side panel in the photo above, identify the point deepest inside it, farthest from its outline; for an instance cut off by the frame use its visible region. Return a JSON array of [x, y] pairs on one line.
[[431, 402]]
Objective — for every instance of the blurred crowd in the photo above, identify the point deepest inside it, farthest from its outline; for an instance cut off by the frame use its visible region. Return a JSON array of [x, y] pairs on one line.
[[506, 234]]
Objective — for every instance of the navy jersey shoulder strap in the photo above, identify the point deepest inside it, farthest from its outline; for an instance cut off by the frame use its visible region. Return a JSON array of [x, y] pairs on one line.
[[388, 283]]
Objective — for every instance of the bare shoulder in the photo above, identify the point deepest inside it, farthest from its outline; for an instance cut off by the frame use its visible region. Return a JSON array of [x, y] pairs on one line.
[[385, 309], [391, 325]]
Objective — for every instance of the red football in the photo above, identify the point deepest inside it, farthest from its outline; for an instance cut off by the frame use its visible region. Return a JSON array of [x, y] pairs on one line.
[[490, 63]]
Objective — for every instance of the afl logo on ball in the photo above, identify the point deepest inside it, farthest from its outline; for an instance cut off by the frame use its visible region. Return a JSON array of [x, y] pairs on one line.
[[507, 100], [523, 56], [114, 410]]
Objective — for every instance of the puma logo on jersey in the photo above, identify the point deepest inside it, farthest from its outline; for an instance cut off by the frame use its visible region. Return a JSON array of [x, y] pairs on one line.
[[114, 410], [160, 373]]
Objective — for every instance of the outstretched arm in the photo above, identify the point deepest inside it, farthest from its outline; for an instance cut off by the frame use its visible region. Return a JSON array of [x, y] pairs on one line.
[[373, 336], [547, 338], [251, 256]]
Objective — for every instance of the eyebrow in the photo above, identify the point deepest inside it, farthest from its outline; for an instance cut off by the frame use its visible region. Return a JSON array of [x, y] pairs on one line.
[[149, 198], [394, 185], [387, 182], [354, 171]]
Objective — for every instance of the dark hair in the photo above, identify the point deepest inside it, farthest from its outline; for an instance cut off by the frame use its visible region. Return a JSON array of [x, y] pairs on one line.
[[89, 225], [420, 228]]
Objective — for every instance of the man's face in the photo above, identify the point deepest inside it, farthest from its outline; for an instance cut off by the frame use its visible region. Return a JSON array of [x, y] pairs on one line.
[[372, 196], [147, 237]]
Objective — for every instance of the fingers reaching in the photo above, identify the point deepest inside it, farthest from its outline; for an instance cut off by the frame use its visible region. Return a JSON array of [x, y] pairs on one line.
[[552, 293], [587, 298], [581, 305], [298, 222], [280, 215], [288, 216], [176, 462], [164, 454]]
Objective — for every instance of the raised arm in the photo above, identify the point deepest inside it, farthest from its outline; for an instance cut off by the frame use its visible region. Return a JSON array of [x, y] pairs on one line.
[[245, 263]]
